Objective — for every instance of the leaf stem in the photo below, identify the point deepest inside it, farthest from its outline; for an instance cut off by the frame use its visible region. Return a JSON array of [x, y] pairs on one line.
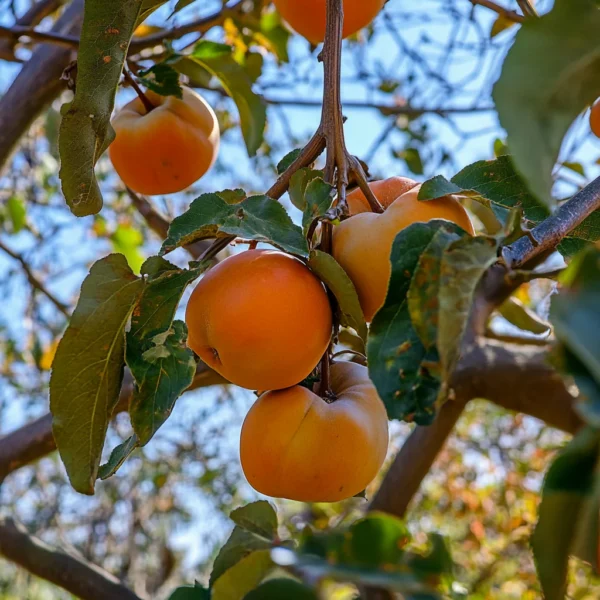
[[138, 90]]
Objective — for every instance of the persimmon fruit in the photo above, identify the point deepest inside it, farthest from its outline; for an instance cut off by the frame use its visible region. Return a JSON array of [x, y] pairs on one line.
[[261, 319], [296, 445], [363, 243], [595, 118], [167, 149], [385, 190], [308, 18]]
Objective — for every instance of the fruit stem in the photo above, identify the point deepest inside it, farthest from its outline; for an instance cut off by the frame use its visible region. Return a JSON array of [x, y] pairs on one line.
[[138, 90]]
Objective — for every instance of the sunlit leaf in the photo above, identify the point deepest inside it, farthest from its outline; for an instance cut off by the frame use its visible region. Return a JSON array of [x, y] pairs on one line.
[[257, 218], [278, 589], [516, 313], [463, 264], [218, 60], [341, 286], [88, 367]]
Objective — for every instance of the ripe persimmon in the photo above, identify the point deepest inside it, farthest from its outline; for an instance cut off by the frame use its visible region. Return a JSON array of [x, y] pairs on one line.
[[167, 149], [595, 118], [363, 243], [308, 17], [296, 445], [261, 319], [385, 190]]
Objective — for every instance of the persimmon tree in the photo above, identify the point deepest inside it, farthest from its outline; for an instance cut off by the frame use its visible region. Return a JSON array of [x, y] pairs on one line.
[[417, 277]]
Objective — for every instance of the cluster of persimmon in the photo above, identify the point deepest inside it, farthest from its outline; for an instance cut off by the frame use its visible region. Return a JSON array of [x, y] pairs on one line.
[[263, 320]]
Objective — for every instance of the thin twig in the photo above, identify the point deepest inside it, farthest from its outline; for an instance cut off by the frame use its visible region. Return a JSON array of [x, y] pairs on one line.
[[138, 90], [34, 281], [505, 12], [527, 7], [17, 32]]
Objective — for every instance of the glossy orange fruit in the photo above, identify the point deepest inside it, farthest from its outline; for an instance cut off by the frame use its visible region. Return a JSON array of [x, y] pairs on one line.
[[261, 319], [295, 445], [363, 243], [308, 17], [167, 149]]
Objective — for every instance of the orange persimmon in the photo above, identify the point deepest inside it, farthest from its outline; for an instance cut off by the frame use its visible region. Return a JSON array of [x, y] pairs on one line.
[[167, 149], [363, 243], [261, 319], [296, 445], [308, 17]]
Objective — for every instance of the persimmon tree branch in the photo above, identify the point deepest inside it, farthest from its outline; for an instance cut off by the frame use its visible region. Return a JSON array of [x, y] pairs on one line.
[[516, 377], [548, 234], [38, 11], [72, 573], [37, 84], [34, 440]]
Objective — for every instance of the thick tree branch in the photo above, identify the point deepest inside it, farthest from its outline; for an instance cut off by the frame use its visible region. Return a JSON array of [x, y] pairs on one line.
[[515, 377], [38, 11], [548, 234], [37, 84], [72, 573], [34, 440]]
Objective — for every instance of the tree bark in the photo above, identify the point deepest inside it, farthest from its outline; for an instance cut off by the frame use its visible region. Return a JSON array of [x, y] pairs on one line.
[[69, 572], [36, 85]]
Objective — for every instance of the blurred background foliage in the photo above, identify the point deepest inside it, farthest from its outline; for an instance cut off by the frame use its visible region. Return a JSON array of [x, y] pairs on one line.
[[417, 89]]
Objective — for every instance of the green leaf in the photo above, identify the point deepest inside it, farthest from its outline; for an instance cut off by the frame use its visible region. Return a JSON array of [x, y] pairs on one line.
[[17, 213], [188, 592], [258, 218], [550, 75], [423, 303], [335, 278], [127, 240], [259, 518], [496, 184], [463, 264], [298, 184], [280, 589], [118, 456], [378, 540], [412, 158], [515, 312], [287, 160], [218, 60], [318, 197], [162, 79], [574, 312], [241, 543], [273, 35], [181, 4], [85, 130], [568, 487], [148, 7], [399, 365], [88, 367], [242, 577], [162, 365]]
